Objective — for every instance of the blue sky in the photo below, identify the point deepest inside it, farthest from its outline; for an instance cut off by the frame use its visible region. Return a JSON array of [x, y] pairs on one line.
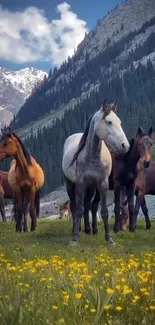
[[42, 33]]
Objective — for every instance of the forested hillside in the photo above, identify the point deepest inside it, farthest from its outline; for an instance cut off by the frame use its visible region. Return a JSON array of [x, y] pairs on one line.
[[70, 80], [135, 91]]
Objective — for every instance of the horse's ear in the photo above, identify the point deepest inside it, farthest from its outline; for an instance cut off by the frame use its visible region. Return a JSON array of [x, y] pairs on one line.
[[105, 108], [115, 106], [139, 131], [104, 105], [150, 131]]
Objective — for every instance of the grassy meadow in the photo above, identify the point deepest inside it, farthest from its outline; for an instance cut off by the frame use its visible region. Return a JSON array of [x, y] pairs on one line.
[[44, 281]]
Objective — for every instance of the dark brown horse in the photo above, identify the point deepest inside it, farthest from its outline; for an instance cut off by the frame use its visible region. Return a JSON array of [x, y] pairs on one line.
[[124, 173], [6, 192], [144, 184]]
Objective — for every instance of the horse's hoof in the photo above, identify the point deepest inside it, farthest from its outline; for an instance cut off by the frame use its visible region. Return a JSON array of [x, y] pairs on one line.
[[33, 229], [88, 231], [116, 228], [25, 230], [132, 228], [148, 226], [111, 242], [73, 243], [95, 231]]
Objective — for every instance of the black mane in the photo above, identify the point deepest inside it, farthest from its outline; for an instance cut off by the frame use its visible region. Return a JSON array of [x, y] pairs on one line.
[[82, 141], [25, 150]]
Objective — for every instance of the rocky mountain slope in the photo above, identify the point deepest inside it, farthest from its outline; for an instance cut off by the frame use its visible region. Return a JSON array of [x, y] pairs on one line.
[[124, 37], [15, 87]]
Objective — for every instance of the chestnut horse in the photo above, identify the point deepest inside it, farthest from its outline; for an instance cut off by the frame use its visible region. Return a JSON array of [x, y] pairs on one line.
[[25, 177]]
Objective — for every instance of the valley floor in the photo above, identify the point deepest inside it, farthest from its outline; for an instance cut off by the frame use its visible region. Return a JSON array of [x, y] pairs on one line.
[[44, 281]]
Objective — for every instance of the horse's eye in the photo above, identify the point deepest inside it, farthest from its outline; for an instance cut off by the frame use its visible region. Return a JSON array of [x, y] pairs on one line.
[[109, 122]]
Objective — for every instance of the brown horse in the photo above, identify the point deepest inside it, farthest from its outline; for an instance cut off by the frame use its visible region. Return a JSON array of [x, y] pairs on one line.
[[64, 210], [144, 184], [6, 192], [124, 173], [25, 177]]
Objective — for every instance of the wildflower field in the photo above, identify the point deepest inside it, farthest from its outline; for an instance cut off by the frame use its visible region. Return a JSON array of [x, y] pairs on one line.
[[44, 281]]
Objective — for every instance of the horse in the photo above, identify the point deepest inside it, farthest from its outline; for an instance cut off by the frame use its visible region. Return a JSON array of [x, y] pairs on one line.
[[64, 210], [124, 174], [144, 185], [6, 192], [26, 177], [87, 163]]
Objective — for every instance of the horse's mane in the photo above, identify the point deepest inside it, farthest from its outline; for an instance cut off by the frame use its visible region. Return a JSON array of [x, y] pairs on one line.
[[82, 141], [25, 150], [131, 142]]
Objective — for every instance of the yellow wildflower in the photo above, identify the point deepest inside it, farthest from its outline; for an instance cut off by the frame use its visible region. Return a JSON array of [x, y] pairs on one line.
[[78, 295], [110, 291], [119, 308], [136, 297], [66, 298], [127, 291], [55, 307], [123, 280], [152, 307], [93, 310], [107, 307], [118, 287], [107, 275]]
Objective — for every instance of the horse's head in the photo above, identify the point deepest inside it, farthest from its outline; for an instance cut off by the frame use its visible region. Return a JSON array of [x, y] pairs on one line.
[[8, 146], [144, 145], [108, 128]]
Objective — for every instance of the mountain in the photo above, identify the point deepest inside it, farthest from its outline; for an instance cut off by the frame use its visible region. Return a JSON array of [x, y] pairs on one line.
[[15, 87], [115, 60], [125, 36]]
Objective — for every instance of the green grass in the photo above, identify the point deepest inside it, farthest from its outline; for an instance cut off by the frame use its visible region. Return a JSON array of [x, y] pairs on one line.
[[44, 281]]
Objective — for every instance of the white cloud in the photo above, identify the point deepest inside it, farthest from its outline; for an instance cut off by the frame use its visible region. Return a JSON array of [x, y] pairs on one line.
[[28, 36]]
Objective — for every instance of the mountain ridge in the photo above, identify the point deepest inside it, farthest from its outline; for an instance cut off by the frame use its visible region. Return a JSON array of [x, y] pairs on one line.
[[15, 87]]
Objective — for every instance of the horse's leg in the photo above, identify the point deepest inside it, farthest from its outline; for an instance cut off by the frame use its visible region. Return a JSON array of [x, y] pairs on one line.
[[117, 199], [33, 213], [19, 198], [130, 198], [103, 190], [2, 208], [26, 203], [87, 204], [79, 199], [145, 212], [94, 209], [70, 187]]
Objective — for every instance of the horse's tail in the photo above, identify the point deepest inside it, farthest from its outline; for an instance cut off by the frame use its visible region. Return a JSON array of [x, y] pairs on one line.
[[82, 141], [37, 203]]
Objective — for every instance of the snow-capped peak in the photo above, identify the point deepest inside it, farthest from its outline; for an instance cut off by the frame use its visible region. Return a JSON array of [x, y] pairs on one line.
[[15, 87]]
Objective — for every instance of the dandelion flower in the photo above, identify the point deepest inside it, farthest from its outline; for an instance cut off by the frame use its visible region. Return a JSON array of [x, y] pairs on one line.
[[119, 308], [107, 307], [54, 307], [152, 307], [93, 310], [66, 298], [110, 291], [78, 295]]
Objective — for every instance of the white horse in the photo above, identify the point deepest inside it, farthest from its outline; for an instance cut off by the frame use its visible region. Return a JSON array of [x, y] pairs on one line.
[[87, 162]]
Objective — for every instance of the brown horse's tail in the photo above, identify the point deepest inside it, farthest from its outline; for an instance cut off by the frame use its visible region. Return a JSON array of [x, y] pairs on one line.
[[37, 203]]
